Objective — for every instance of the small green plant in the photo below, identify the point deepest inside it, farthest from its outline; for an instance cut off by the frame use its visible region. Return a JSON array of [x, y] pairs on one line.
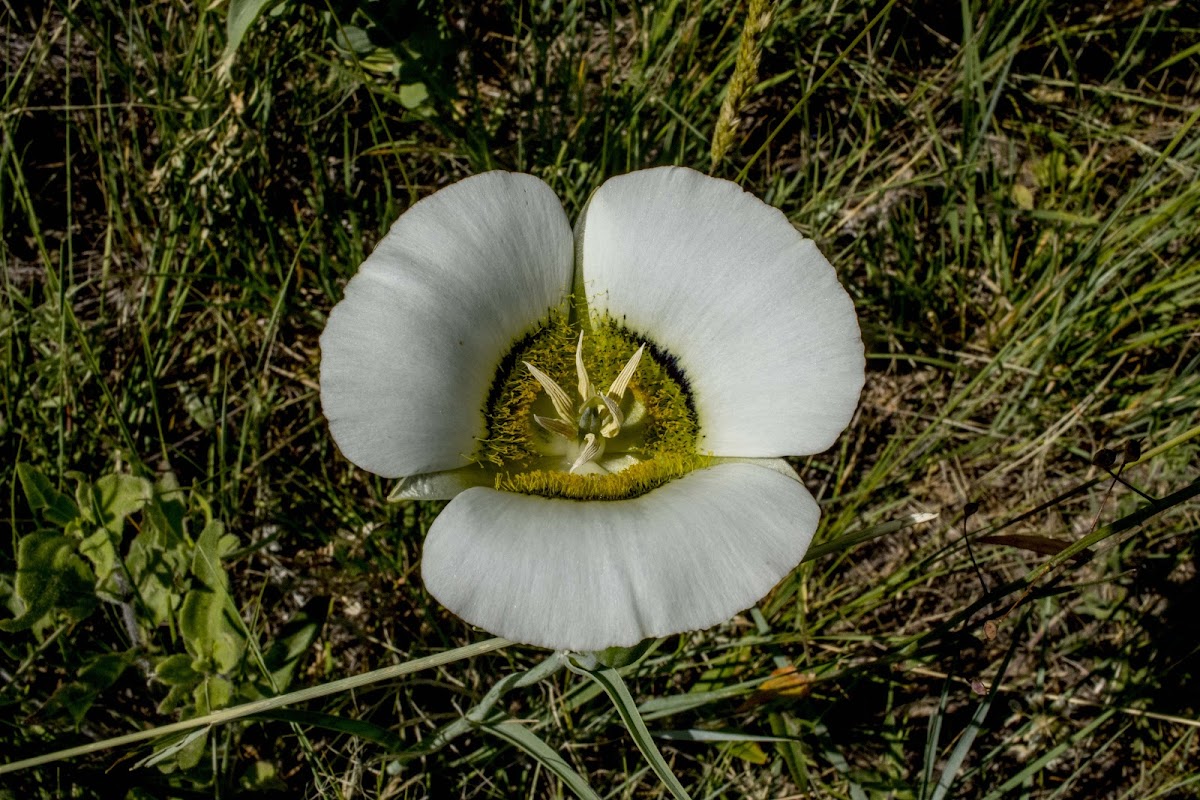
[[130, 545]]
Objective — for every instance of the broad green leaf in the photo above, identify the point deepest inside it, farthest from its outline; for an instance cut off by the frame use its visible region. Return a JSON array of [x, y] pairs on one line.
[[521, 737], [295, 638], [206, 556], [103, 507], [176, 670], [169, 509], [242, 14], [54, 506], [413, 95], [100, 548], [174, 699], [118, 496], [618, 657], [158, 562], [212, 693], [353, 39], [208, 620], [208, 631], [50, 575], [101, 672], [750, 752]]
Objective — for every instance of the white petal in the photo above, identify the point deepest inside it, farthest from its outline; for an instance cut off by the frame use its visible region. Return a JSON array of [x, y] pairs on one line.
[[776, 464], [408, 357], [577, 575], [764, 334]]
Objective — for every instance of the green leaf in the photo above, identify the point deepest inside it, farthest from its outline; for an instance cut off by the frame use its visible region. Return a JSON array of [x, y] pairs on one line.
[[101, 549], [100, 673], [212, 693], [206, 556], [750, 752], [208, 631], [115, 497], [521, 737], [208, 619], [413, 95], [176, 670], [50, 575], [618, 657], [158, 562], [353, 39], [54, 506], [295, 638], [169, 508], [242, 14], [174, 699]]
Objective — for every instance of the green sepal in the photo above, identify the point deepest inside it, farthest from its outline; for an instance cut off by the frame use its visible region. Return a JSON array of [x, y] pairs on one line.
[[617, 657]]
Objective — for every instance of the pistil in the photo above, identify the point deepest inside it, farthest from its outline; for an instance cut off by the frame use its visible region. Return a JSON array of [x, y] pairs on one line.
[[594, 418]]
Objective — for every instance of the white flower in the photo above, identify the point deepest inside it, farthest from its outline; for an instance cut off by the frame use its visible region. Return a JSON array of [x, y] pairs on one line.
[[444, 362]]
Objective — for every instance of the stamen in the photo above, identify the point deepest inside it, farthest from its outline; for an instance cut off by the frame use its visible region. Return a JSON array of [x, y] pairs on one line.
[[585, 384], [562, 403], [616, 418], [591, 448], [617, 390], [564, 429]]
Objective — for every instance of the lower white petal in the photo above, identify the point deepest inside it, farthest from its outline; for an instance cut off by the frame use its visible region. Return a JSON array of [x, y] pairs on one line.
[[574, 575], [408, 357], [766, 337]]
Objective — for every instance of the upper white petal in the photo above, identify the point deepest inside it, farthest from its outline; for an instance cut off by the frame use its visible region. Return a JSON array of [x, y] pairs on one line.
[[766, 337], [577, 575], [408, 357]]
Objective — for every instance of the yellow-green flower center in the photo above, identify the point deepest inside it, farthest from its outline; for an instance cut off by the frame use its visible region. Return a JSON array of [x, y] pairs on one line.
[[591, 415]]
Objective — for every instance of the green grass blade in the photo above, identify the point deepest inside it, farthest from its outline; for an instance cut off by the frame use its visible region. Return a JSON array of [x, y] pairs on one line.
[[521, 737], [610, 680], [271, 703], [958, 755]]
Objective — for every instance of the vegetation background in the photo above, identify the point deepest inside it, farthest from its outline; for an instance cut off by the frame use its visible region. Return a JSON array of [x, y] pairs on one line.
[[1009, 190]]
